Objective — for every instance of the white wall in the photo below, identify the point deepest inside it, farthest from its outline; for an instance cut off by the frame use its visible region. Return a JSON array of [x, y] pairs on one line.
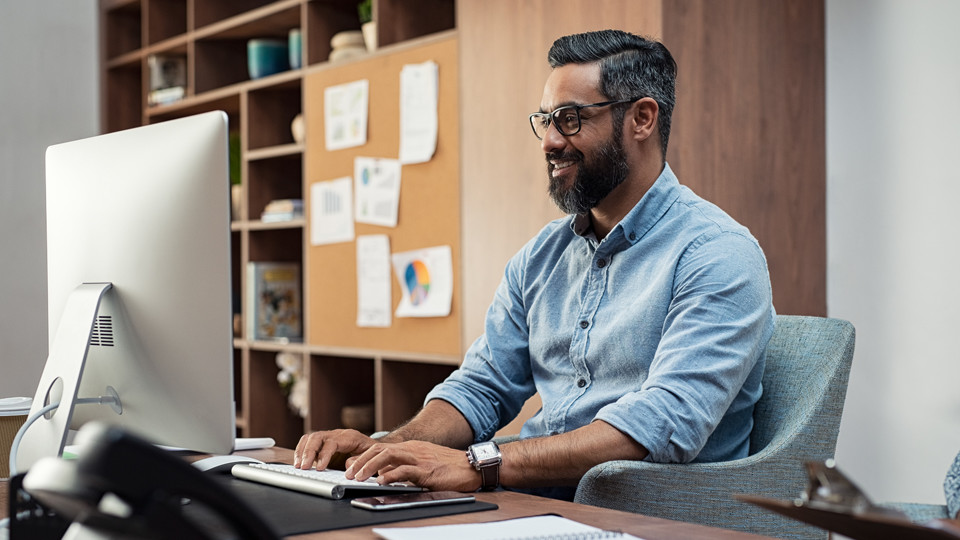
[[48, 94], [893, 201]]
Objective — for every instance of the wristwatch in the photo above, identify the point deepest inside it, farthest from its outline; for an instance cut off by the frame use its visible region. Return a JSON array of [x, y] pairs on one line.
[[486, 458]]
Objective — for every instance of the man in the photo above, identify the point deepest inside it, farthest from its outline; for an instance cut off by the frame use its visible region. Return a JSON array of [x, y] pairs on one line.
[[641, 318]]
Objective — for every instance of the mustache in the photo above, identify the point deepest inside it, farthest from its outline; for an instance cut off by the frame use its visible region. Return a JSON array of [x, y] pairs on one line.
[[572, 155]]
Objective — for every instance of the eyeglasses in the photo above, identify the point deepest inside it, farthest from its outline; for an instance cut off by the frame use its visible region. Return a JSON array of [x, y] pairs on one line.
[[566, 119]]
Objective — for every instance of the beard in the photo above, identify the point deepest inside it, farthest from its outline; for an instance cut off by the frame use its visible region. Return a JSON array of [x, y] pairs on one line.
[[595, 178]]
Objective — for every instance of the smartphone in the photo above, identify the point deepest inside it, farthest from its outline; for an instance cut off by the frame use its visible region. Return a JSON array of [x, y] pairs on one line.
[[412, 500]]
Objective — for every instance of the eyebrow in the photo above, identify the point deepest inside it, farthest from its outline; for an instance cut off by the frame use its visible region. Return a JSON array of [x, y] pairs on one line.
[[562, 105]]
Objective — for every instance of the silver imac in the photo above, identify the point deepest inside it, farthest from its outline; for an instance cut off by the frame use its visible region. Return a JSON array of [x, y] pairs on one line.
[[139, 288]]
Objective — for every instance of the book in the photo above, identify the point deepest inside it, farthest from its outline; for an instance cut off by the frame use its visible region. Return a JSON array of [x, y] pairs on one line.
[[165, 95], [282, 210], [274, 301]]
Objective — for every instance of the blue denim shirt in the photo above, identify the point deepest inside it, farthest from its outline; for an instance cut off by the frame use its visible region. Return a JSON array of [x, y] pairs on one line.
[[658, 330]]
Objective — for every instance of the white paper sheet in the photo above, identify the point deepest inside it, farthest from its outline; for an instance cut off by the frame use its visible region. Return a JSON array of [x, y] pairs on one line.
[[345, 111], [426, 278], [376, 191], [373, 281], [419, 88], [536, 527], [331, 211]]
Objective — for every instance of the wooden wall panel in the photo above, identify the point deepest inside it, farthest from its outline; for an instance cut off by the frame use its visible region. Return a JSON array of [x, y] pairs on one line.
[[503, 67], [749, 129]]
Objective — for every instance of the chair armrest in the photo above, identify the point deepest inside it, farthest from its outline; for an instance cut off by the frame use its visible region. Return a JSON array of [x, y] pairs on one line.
[[918, 512], [699, 492]]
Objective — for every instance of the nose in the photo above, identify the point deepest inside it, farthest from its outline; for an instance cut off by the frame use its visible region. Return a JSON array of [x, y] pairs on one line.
[[552, 140]]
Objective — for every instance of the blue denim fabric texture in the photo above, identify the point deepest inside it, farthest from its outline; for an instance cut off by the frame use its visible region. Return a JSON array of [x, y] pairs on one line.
[[659, 330]]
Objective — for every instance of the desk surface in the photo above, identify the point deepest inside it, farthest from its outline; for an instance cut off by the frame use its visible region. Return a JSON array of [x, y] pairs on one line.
[[511, 505]]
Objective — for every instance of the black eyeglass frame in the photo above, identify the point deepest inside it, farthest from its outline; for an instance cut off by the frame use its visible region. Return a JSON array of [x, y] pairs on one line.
[[551, 116]]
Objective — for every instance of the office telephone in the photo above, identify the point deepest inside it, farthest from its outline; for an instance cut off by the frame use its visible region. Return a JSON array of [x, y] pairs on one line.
[[124, 487]]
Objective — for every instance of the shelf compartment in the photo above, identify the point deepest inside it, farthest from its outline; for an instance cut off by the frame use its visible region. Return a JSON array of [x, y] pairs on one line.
[[272, 109], [122, 23], [165, 19], [403, 20], [403, 385], [336, 382], [272, 179], [123, 105], [276, 245], [221, 49], [324, 20], [267, 411], [216, 11]]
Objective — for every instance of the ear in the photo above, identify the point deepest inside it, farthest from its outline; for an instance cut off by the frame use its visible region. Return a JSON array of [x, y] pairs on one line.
[[642, 118]]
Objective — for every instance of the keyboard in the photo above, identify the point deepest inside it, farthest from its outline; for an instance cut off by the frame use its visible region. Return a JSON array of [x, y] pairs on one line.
[[328, 483]]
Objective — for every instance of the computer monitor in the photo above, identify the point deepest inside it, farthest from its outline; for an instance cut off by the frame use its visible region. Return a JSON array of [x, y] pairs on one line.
[[138, 269]]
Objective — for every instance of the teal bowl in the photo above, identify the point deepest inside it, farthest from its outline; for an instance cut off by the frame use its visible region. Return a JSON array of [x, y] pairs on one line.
[[266, 57]]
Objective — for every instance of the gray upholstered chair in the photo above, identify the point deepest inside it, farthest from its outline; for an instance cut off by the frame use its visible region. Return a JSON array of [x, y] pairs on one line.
[[797, 420]]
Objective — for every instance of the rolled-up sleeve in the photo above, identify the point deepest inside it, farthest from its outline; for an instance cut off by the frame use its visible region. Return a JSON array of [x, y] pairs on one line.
[[704, 370], [495, 380]]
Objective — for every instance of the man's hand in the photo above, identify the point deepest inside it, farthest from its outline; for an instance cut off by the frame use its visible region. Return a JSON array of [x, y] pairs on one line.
[[324, 448], [424, 464]]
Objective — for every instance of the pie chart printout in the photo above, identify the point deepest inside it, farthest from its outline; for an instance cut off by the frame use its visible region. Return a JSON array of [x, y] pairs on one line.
[[418, 282]]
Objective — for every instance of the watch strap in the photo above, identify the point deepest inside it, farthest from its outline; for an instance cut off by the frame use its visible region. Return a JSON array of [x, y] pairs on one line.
[[490, 476]]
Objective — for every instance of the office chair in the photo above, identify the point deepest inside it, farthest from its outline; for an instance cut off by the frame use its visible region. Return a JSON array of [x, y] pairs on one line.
[[796, 420]]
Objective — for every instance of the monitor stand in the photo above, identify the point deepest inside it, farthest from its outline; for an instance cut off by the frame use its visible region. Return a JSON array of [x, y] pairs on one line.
[[61, 376]]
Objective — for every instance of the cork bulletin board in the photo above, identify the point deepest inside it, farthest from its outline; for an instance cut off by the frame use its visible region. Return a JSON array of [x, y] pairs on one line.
[[429, 209]]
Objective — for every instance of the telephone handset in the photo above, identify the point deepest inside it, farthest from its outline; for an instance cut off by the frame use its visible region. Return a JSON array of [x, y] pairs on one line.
[[123, 486]]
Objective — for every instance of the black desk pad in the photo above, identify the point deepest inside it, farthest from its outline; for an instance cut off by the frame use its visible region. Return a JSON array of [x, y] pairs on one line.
[[290, 512]]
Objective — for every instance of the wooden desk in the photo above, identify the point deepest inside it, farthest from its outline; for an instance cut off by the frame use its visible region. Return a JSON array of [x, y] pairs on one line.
[[511, 505]]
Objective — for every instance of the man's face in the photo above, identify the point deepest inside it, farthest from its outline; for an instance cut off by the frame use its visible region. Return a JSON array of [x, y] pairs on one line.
[[585, 167]]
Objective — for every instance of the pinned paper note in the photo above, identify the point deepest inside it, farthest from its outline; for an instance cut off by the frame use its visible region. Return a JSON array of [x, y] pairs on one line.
[[419, 90], [426, 277], [345, 110], [374, 300], [331, 212], [376, 191]]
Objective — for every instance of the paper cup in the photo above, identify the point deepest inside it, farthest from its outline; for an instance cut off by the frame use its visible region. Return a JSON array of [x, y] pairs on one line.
[[13, 413]]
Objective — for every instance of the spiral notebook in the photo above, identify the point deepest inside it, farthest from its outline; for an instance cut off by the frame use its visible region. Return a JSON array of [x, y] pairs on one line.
[[548, 527]]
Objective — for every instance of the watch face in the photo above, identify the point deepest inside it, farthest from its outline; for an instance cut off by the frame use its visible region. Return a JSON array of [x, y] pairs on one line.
[[485, 451]]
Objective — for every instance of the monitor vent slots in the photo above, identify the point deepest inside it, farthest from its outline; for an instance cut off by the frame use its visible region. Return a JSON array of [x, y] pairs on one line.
[[102, 334]]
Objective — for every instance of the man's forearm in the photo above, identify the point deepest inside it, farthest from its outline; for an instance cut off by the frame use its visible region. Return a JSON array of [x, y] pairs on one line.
[[438, 422], [563, 459]]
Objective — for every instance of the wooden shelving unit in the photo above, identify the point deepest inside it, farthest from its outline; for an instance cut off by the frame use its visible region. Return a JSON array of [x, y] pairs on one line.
[[212, 35]]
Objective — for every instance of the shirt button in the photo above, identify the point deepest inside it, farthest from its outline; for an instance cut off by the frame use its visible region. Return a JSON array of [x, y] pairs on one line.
[[584, 324], [633, 236], [581, 383], [601, 263]]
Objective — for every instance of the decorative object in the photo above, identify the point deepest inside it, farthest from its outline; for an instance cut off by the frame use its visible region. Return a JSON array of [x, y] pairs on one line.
[[236, 194], [367, 25], [292, 382], [298, 129], [369, 30], [347, 44], [168, 78], [358, 417], [295, 47], [267, 57]]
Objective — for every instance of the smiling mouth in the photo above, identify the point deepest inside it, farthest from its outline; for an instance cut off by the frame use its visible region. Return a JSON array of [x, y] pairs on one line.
[[556, 166]]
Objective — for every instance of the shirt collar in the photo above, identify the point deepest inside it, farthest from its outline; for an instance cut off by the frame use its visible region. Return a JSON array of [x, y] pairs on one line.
[[643, 216]]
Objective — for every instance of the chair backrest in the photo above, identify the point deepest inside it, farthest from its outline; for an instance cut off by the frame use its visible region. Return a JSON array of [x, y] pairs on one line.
[[804, 386]]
